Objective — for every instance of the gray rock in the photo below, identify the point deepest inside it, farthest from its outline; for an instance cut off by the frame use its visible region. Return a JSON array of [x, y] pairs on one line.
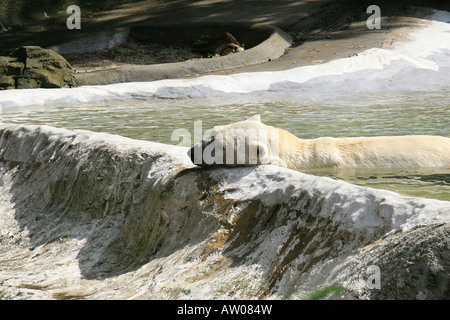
[[413, 264]]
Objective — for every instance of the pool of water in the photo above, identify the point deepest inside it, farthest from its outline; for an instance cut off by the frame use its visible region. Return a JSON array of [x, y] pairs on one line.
[[308, 116]]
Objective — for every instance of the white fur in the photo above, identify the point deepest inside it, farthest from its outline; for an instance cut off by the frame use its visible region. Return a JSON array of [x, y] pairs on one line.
[[284, 149]]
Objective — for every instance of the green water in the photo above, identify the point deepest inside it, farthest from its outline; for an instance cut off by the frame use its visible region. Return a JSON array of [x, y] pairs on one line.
[[369, 114]]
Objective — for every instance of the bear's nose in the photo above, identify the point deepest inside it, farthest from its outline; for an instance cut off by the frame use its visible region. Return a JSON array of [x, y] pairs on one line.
[[191, 153], [196, 152]]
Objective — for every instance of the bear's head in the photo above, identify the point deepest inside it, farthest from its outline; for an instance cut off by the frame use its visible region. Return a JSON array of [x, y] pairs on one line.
[[244, 143]]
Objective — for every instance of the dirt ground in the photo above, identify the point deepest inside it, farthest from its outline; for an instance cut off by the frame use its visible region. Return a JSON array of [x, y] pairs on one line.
[[129, 53]]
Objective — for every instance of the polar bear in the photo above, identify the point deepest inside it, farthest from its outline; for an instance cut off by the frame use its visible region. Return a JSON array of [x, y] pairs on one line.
[[251, 142]]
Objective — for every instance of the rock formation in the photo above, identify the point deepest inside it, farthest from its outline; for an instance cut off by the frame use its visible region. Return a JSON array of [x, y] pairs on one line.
[[96, 216], [35, 67]]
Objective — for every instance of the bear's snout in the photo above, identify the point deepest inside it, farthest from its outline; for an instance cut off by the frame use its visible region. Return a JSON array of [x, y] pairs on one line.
[[191, 154], [196, 152]]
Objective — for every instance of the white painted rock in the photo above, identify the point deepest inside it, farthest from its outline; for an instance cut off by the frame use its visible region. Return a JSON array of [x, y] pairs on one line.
[[98, 216]]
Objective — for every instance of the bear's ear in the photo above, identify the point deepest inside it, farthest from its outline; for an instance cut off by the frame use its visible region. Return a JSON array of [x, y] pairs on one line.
[[255, 118]]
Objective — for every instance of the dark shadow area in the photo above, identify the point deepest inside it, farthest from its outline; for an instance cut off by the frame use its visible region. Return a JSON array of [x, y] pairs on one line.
[[291, 16], [196, 33], [19, 13], [157, 13]]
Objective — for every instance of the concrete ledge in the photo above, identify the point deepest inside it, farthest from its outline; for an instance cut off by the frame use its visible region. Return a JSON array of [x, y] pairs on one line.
[[273, 43]]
